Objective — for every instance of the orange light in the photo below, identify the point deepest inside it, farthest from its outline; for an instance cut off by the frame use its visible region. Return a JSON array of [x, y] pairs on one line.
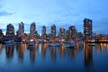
[[44, 40], [31, 40]]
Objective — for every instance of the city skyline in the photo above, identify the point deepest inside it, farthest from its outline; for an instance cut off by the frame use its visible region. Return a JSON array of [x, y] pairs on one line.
[[48, 28], [48, 12], [53, 35]]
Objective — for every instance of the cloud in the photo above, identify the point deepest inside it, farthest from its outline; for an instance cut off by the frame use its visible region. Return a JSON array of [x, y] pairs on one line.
[[4, 13]]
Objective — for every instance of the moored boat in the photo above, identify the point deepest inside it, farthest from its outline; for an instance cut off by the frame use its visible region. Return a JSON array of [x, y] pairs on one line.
[[9, 42], [54, 44]]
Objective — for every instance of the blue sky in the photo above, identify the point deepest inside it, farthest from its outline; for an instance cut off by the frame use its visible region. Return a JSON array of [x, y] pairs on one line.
[[62, 12]]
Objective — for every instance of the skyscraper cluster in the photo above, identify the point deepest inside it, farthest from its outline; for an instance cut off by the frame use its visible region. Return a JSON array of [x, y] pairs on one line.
[[70, 34]]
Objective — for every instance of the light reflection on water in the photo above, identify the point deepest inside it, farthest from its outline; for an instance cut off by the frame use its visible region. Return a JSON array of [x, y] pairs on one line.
[[42, 58]]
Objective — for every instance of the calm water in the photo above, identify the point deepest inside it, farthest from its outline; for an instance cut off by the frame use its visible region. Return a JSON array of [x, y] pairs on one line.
[[21, 58]]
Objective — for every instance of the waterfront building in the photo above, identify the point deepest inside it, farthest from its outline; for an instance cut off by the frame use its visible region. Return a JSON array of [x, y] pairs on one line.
[[20, 35], [67, 35], [52, 36], [1, 36], [43, 30], [21, 29], [10, 31], [33, 33], [53, 30], [80, 35], [62, 33], [72, 32], [32, 28], [88, 28], [44, 35]]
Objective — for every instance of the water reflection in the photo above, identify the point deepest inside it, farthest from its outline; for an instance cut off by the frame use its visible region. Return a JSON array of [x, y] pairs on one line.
[[9, 51], [20, 48], [53, 54], [62, 51], [44, 49], [33, 51], [88, 58], [73, 53], [42, 53], [1, 48], [101, 47]]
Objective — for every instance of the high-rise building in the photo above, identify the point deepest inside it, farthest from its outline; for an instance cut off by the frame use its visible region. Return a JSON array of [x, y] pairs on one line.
[[1, 36], [20, 35], [32, 28], [44, 35], [1, 33], [21, 29], [33, 33], [53, 30], [43, 30], [87, 27], [62, 33], [10, 31], [80, 35], [72, 32]]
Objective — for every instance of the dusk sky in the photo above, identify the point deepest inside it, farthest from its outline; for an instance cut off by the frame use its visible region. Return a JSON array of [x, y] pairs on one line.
[[47, 12]]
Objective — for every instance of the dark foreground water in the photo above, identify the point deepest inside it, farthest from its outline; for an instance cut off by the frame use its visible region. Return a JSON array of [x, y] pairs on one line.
[[20, 58]]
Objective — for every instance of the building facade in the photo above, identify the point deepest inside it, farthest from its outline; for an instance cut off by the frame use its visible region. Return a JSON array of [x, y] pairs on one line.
[[72, 32], [44, 35], [32, 28], [87, 28], [21, 29], [53, 30], [10, 31], [62, 33]]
